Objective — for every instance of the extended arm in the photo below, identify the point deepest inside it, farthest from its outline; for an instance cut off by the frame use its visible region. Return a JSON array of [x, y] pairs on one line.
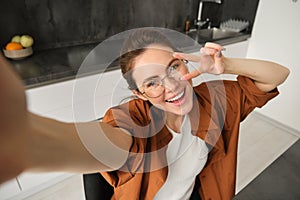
[[33, 143], [81, 147]]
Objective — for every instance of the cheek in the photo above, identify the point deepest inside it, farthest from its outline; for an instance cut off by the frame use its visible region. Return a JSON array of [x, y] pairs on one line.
[[157, 101]]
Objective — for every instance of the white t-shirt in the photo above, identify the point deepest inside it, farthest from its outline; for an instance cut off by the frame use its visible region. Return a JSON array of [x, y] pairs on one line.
[[186, 156]]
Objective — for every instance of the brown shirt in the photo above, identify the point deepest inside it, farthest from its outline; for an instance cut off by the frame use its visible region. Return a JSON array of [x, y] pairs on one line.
[[219, 107]]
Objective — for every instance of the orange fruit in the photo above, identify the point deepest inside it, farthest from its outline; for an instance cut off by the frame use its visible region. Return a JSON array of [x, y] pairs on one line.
[[13, 46]]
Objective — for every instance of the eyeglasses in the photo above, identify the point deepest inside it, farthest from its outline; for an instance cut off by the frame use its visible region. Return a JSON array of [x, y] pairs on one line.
[[154, 86]]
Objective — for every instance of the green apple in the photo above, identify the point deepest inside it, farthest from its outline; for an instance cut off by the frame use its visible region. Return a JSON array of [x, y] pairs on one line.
[[16, 39], [26, 41]]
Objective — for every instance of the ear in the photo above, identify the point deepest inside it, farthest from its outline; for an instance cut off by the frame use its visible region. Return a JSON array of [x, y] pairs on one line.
[[139, 95]]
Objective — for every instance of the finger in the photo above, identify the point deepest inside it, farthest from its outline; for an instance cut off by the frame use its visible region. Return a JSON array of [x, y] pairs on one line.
[[218, 54], [191, 75], [218, 59], [217, 48], [189, 57], [207, 51], [213, 46]]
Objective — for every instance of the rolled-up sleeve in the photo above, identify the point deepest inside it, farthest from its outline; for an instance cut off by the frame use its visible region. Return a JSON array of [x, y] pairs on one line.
[[130, 120], [251, 96]]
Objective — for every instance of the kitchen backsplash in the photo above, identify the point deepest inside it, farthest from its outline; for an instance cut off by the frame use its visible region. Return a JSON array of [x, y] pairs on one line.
[[230, 9], [56, 23]]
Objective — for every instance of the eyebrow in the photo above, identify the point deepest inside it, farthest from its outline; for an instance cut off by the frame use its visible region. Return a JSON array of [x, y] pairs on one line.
[[149, 78], [173, 60], [156, 76]]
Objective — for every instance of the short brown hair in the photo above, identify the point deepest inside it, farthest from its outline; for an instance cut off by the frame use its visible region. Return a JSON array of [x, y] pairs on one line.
[[135, 45]]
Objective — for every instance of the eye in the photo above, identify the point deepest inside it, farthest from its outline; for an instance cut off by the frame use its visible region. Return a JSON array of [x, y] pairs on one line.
[[173, 70], [151, 83], [174, 67]]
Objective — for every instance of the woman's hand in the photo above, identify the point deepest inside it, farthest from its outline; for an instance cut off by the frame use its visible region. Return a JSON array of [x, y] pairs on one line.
[[209, 60], [265, 74], [13, 123]]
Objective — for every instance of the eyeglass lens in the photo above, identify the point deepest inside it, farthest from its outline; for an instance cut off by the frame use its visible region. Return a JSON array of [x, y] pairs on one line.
[[153, 87]]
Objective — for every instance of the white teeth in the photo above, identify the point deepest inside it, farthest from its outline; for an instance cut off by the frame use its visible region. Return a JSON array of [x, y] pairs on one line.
[[177, 97]]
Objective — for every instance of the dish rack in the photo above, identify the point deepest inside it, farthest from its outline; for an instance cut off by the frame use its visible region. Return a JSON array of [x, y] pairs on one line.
[[236, 25]]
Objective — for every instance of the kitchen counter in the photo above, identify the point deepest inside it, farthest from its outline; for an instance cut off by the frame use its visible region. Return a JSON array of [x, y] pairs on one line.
[[55, 65]]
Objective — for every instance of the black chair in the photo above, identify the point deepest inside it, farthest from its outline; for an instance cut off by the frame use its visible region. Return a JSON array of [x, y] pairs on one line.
[[96, 187]]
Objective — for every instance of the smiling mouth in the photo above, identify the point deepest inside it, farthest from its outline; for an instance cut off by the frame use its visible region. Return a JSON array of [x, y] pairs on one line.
[[176, 98]]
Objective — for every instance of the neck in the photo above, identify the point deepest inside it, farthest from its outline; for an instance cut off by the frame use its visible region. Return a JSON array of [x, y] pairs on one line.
[[174, 121]]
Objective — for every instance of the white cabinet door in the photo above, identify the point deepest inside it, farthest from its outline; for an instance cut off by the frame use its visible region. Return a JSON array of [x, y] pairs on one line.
[[9, 189], [45, 99], [95, 94], [39, 181]]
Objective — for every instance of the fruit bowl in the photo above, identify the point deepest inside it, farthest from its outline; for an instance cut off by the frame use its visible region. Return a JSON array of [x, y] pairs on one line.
[[18, 54]]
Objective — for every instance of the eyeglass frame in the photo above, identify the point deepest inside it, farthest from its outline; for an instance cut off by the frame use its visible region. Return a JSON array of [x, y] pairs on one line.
[[161, 81]]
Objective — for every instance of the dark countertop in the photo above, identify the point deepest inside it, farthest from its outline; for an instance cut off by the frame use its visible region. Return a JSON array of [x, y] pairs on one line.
[[55, 65], [279, 181]]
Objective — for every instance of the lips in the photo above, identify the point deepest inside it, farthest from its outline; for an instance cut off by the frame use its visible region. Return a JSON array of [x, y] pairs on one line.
[[177, 98]]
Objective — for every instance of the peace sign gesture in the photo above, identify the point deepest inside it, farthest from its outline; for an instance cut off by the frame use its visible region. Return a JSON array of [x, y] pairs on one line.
[[209, 60]]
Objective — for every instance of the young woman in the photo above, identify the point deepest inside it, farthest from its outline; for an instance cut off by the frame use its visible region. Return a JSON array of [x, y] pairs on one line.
[[174, 141]]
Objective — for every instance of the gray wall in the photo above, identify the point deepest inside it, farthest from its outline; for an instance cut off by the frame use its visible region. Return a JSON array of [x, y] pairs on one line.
[[57, 23]]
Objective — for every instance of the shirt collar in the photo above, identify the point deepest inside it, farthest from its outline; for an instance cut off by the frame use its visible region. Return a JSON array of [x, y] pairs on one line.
[[206, 124]]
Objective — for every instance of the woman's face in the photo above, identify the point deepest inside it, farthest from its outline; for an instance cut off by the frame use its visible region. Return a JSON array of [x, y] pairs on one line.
[[168, 93]]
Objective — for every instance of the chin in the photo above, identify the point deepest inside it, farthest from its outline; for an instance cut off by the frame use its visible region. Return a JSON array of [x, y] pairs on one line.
[[184, 109]]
